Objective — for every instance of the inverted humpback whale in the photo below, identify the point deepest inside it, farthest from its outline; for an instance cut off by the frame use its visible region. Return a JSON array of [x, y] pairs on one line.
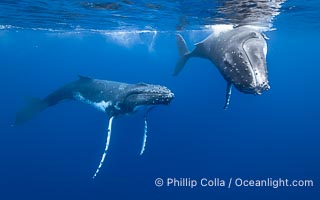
[[238, 53], [113, 98]]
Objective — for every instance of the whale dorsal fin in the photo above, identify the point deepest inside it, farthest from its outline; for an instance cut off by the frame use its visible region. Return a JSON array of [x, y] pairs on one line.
[[85, 78]]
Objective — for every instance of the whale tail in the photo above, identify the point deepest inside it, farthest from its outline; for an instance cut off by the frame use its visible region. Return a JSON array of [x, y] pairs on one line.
[[33, 107], [184, 54]]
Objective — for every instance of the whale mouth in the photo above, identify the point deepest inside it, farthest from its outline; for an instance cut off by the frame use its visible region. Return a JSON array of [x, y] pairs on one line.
[[257, 89]]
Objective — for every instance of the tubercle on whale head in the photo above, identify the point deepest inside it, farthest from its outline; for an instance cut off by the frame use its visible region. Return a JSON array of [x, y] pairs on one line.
[[143, 94]]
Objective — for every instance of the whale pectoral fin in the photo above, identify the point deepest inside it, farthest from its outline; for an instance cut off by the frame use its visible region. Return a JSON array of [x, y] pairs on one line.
[[228, 96], [183, 52], [106, 147], [144, 142]]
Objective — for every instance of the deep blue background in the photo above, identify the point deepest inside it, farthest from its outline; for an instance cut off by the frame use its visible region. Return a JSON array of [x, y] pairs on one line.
[[54, 155]]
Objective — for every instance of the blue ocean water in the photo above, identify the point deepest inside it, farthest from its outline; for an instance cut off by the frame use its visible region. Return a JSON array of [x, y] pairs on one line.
[[46, 44]]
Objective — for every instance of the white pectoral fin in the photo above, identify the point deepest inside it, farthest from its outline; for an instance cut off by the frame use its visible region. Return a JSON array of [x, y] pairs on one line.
[[228, 96], [106, 147], [144, 141]]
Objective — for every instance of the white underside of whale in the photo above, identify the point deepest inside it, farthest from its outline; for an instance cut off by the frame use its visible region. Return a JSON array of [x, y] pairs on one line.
[[102, 105]]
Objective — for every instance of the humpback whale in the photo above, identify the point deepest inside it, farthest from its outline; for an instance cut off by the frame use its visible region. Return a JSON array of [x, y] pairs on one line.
[[113, 98], [238, 49], [238, 53]]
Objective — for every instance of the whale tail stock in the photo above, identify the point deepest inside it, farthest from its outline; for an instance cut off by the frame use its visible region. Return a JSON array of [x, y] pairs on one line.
[[184, 53], [33, 107]]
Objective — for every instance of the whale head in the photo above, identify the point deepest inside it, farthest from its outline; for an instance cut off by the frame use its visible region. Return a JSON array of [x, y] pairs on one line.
[[245, 62], [143, 94]]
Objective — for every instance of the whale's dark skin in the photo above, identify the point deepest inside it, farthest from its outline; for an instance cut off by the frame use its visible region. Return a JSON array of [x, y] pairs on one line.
[[113, 98], [239, 55]]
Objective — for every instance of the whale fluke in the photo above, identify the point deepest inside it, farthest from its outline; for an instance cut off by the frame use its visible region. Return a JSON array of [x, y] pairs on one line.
[[33, 107], [184, 54]]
